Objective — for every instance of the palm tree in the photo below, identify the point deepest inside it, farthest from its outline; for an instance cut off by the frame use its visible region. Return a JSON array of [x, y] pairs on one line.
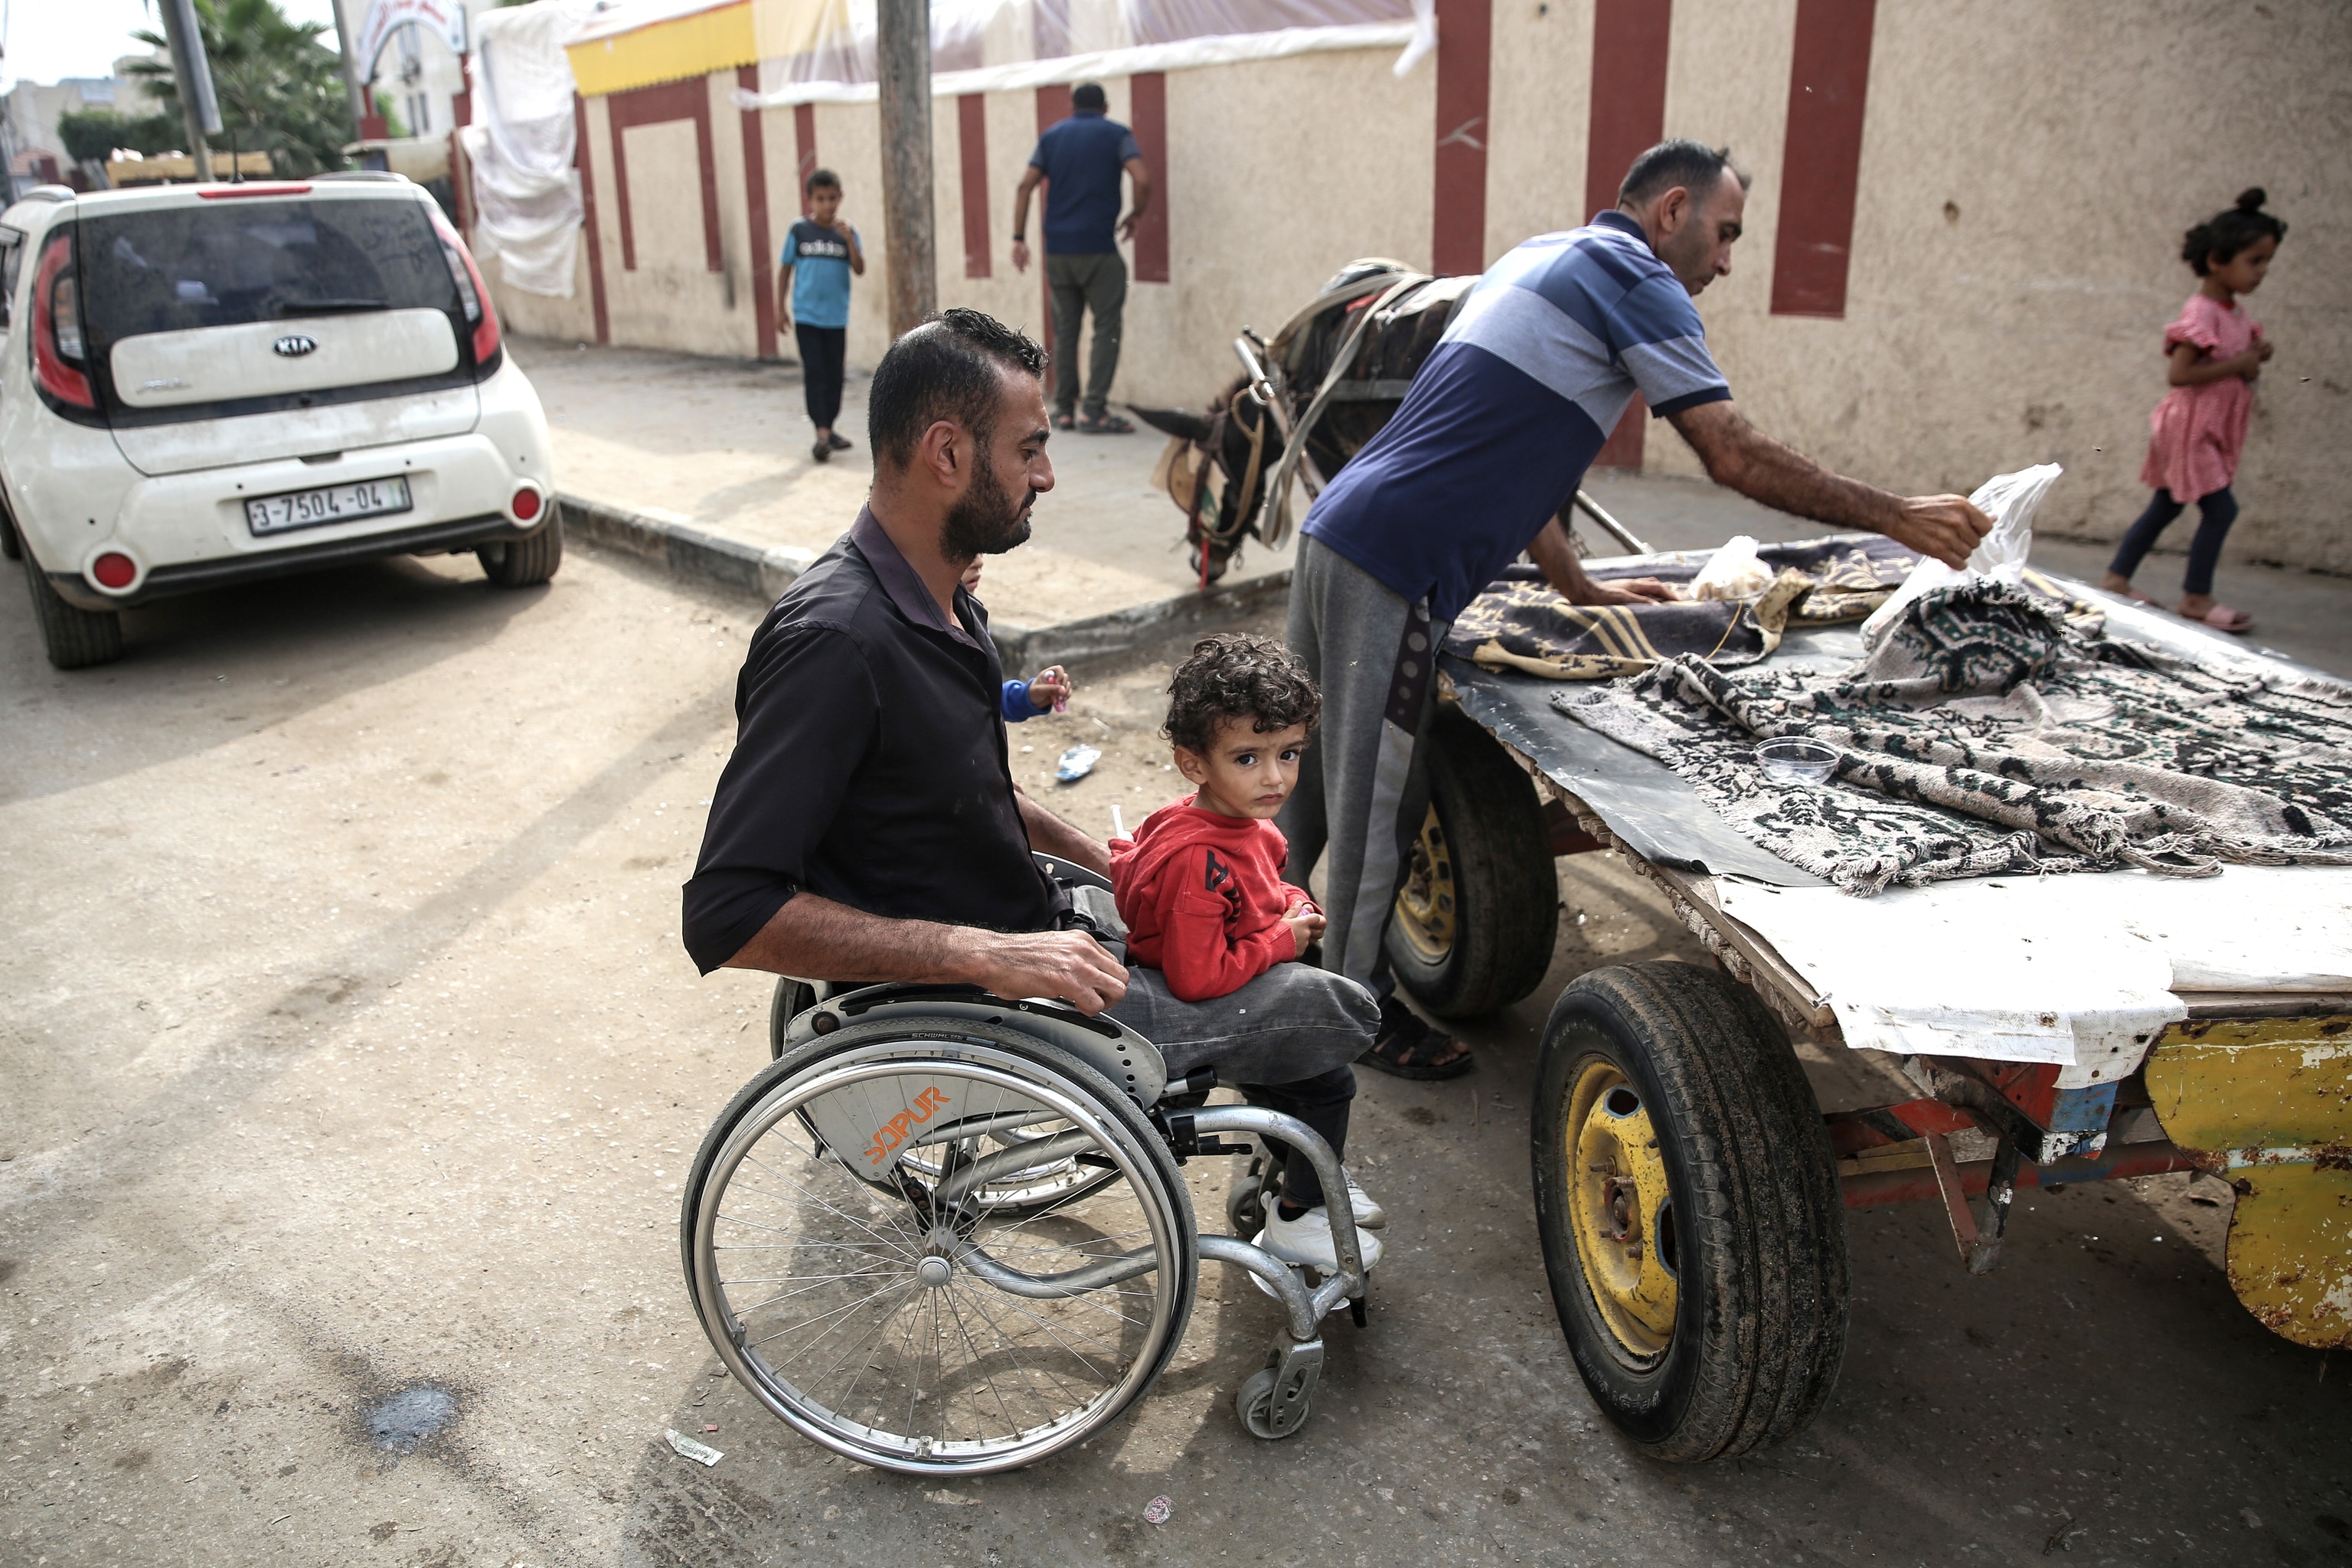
[[280, 89]]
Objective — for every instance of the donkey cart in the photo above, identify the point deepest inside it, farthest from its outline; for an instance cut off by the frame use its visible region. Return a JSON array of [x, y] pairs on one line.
[[1690, 1193]]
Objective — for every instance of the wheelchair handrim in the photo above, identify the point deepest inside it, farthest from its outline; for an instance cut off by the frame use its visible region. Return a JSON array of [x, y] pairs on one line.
[[980, 1063]]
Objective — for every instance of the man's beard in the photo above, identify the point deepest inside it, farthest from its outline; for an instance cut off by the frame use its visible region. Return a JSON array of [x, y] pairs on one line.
[[988, 520]]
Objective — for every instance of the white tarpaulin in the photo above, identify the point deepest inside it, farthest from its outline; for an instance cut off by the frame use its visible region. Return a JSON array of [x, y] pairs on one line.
[[823, 52], [527, 208], [2079, 970]]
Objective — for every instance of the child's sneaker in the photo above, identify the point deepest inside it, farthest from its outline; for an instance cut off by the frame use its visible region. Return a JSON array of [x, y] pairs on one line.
[[1307, 1240], [1370, 1216]]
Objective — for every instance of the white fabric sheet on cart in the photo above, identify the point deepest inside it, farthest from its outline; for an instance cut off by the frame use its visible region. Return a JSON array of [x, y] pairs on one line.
[[2078, 969]]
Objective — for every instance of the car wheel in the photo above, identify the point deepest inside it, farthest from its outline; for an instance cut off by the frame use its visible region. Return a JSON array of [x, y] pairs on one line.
[[9, 548], [73, 638], [522, 563]]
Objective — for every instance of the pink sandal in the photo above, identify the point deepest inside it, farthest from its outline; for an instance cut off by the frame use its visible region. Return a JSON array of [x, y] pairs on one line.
[[2223, 618]]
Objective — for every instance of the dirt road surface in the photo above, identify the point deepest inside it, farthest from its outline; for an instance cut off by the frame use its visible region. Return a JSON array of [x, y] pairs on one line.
[[351, 1067]]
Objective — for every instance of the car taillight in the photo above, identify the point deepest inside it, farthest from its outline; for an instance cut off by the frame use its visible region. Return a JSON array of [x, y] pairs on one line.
[[471, 293], [525, 505], [59, 350], [114, 569]]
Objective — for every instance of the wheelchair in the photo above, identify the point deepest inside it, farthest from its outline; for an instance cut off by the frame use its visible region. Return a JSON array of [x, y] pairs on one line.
[[944, 1232]]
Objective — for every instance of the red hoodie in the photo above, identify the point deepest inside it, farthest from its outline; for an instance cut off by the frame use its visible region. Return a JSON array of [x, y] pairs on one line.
[[1203, 898]]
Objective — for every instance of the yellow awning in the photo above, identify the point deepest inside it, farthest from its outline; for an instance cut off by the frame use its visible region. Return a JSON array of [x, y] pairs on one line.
[[614, 56]]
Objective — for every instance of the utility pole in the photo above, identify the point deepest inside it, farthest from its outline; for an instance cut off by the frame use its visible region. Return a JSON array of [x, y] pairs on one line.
[[351, 71], [903, 62], [199, 111]]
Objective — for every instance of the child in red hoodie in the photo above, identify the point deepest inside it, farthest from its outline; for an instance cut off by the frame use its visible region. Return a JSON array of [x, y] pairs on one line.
[[1200, 888]]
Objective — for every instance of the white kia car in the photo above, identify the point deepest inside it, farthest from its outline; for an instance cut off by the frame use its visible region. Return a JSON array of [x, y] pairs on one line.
[[203, 384]]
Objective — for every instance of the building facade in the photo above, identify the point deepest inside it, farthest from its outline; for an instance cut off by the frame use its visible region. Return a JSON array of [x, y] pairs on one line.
[[1961, 247]]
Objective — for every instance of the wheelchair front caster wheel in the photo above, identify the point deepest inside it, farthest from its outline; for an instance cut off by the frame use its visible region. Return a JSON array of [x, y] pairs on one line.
[[1263, 1414], [1276, 1400]]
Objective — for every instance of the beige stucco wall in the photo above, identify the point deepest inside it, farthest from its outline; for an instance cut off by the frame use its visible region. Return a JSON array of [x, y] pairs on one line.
[[1278, 171], [2075, 143], [2026, 173], [1540, 110]]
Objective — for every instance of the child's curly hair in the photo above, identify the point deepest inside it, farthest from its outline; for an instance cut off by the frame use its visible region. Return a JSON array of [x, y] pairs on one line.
[[2220, 238], [1234, 676]]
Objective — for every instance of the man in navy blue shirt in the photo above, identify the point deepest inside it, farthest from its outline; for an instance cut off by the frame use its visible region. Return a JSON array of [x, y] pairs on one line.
[[1078, 160], [1495, 434]]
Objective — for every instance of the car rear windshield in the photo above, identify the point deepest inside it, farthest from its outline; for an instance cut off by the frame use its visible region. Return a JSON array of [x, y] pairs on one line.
[[227, 263]]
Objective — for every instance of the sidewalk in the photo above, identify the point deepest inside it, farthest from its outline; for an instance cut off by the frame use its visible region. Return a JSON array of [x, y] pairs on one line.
[[706, 462]]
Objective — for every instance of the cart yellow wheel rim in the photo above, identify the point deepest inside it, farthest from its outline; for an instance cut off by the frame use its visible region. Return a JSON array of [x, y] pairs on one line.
[[1621, 1210], [1425, 906]]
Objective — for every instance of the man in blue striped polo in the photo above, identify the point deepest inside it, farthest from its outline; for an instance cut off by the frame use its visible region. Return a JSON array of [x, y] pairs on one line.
[[1492, 440]]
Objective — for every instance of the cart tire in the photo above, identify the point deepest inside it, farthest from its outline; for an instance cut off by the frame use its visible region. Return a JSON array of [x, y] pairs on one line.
[[1475, 921], [1713, 1324]]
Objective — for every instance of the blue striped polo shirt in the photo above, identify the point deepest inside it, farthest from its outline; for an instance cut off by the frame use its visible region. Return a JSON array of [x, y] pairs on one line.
[[1512, 406]]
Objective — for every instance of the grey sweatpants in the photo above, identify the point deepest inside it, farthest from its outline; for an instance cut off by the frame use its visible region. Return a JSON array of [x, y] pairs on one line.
[[1095, 283], [1364, 785]]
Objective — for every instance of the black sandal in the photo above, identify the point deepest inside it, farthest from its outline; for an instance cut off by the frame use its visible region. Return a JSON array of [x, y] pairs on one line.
[[1407, 1048]]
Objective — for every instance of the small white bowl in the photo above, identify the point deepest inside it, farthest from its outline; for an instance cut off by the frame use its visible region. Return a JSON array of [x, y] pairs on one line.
[[1791, 760]]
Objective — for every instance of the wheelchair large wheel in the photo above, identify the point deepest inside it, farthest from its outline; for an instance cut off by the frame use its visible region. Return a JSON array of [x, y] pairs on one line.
[[1688, 1205], [892, 1311]]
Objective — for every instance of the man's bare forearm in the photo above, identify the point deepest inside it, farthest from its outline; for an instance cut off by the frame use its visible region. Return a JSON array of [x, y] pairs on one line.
[[1739, 457], [817, 938], [1555, 556], [1056, 837]]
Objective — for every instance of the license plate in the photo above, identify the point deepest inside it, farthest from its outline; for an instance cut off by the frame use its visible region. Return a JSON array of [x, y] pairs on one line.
[[335, 503]]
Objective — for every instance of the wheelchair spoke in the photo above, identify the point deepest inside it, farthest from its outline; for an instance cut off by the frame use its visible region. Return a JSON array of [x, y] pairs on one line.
[[831, 1208], [1014, 1350], [974, 1353], [870, 1296]]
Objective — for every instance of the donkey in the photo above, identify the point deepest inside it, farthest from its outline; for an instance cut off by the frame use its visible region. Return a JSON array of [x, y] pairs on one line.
[[1304, 404]]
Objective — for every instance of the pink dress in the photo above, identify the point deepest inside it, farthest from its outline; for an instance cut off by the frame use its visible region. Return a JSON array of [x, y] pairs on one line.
[[2197, 432]]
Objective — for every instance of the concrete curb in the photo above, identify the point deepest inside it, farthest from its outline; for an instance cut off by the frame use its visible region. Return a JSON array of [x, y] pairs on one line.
[[673, 542]]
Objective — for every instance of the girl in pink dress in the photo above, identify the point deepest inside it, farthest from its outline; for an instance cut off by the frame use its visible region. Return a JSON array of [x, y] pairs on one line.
[[2213, 352]]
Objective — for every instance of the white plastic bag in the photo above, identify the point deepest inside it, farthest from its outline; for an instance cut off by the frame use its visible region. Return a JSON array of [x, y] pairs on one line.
[[2009, 500], [1733, 572]]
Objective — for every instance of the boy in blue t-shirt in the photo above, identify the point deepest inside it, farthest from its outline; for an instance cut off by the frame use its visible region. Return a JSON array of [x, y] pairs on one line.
[[813, 296]]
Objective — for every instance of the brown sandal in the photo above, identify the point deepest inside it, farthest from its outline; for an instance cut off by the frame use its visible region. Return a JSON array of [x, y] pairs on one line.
[[1407, 1048]]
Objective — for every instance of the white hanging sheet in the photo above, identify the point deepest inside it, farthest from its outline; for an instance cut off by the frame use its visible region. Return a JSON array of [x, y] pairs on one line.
[[527, 206]]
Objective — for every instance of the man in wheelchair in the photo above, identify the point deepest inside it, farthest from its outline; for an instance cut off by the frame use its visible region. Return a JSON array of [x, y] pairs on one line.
[[868, 828]]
